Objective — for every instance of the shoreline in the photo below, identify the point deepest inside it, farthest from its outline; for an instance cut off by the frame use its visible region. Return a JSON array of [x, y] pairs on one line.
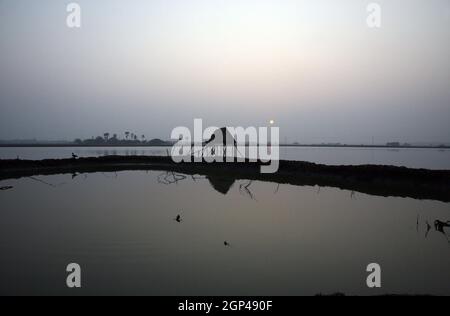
[[171, 145], [369, 179]]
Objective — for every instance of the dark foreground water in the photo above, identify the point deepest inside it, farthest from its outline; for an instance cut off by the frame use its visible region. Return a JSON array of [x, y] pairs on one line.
[[285, 240], [428, 158]]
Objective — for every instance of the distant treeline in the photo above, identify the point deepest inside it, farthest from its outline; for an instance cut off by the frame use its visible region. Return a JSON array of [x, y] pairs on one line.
[[130, 139]]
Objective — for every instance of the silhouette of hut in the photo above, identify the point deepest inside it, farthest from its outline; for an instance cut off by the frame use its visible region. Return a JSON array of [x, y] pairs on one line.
[[221, 139]]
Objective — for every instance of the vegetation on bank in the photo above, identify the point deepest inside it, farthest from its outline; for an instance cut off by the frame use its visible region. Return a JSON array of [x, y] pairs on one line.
[[130, 139]]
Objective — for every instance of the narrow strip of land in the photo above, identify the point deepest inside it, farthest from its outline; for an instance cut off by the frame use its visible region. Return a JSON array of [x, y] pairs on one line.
[[370, 179]]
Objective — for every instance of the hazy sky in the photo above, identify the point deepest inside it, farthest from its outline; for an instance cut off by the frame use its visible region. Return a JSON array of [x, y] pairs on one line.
[[148, 66]]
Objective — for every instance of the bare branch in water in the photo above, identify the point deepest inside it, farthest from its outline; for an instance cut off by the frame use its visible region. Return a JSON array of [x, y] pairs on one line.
[[417, 223], [277, 189], [47, 183], [428, 229], [194, 178], [244, 190], [167, 178], [439, 226], [115, 176], [178, 177]]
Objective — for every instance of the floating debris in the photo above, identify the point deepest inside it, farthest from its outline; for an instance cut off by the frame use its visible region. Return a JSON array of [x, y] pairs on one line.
[[439, 226], [6, 188]]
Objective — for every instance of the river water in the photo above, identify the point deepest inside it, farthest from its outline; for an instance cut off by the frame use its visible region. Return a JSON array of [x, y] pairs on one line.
[[283, 240], [408, 157]]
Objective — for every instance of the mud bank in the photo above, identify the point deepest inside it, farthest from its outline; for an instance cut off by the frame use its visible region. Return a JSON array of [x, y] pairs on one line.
[[370, 179]]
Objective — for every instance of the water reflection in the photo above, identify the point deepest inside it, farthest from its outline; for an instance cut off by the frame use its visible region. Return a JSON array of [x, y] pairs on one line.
[[132, 231], [221, 184]]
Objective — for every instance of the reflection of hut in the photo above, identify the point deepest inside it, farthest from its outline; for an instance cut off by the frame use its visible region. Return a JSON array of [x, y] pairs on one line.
[[221, 184], [220, 140]]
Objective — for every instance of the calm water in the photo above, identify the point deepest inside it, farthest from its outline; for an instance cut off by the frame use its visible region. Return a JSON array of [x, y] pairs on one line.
[[408, 157], [289, 240]]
